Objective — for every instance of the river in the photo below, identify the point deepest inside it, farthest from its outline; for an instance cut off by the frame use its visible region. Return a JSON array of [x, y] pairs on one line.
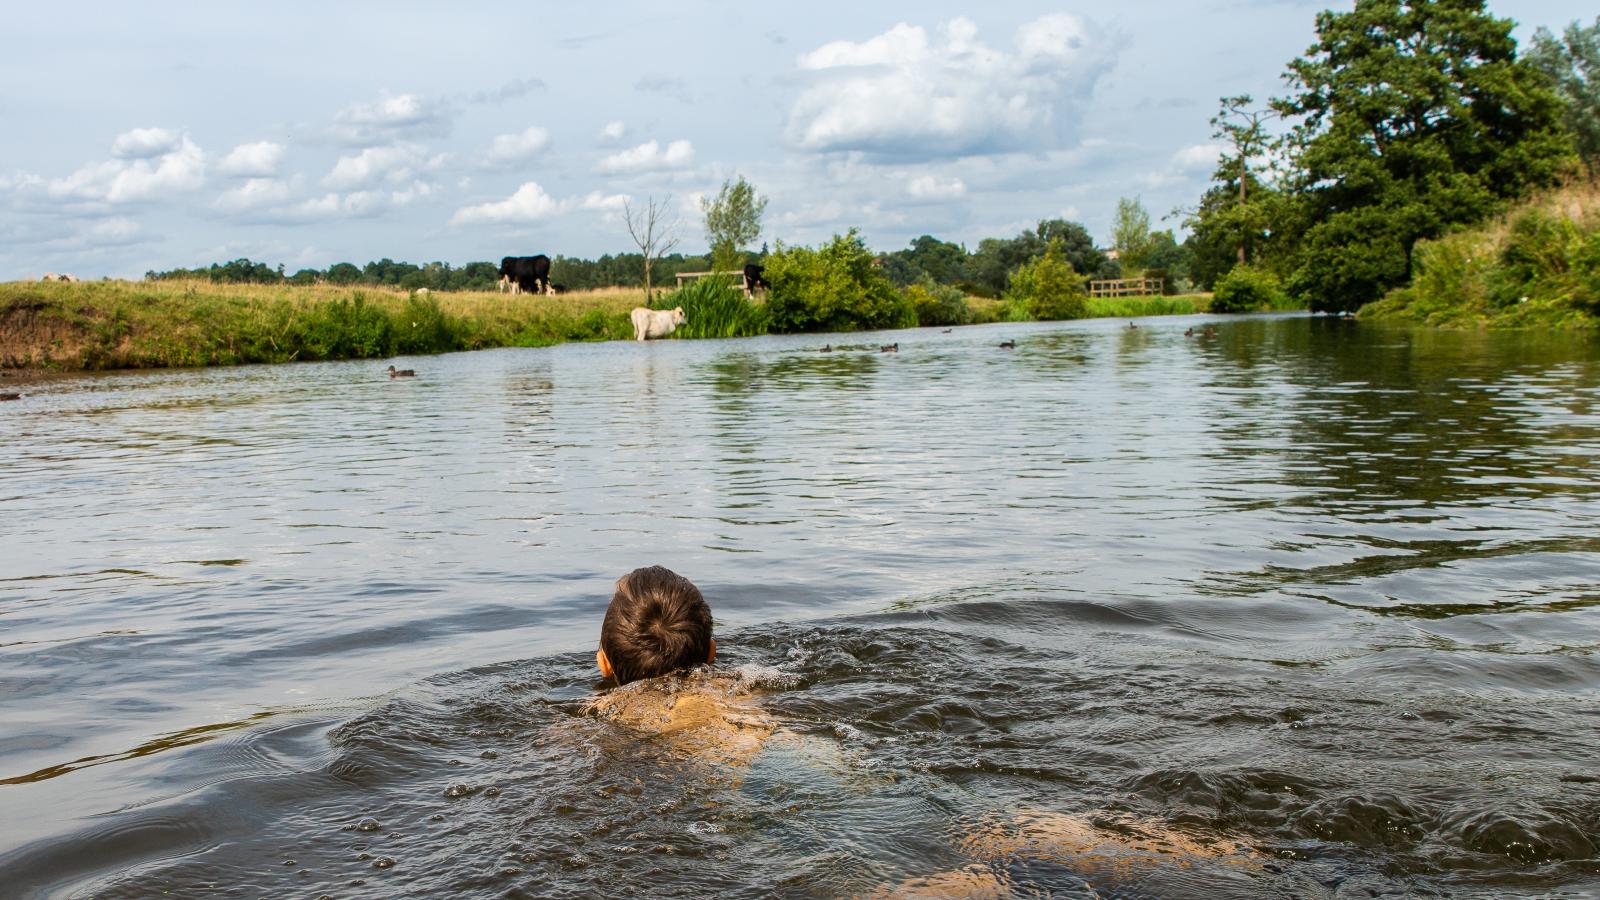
[[1326, 590]]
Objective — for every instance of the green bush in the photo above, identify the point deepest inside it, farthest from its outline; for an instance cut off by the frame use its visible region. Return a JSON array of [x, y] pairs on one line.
[[1535, 252], [1047, 287], [833, 288], [343, 329], [714, 308], [938, 304], [422, 327], [1247, 288]]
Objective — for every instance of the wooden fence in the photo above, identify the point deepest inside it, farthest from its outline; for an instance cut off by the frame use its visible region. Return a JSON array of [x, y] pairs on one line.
[[696, 276], [1126, 287]]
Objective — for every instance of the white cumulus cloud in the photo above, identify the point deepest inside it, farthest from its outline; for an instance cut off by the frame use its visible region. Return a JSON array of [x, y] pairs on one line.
[[515, 148], [650, 157], [906, 94], [180, 169], [399, 163], [1197, 158], [932, 187], [257, 160], [603, 202], [528, 204], [144, 143], [613, 131], [391, 118], [255, 193]]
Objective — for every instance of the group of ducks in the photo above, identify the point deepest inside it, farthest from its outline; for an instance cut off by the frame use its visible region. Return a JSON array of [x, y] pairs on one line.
[[888, 348], [1007, 344]]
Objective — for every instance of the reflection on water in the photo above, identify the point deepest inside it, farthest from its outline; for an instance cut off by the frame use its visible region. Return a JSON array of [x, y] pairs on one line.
[[1322, 590]]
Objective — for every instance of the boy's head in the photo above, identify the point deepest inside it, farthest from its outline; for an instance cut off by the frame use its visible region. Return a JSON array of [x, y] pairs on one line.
[[657, 623]]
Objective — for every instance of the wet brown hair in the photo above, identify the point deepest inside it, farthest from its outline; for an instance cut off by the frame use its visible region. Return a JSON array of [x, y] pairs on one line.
[[657, 623]]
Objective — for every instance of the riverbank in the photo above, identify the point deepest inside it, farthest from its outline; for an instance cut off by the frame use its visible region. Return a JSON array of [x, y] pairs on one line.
[[1536, 266], [177, 324]]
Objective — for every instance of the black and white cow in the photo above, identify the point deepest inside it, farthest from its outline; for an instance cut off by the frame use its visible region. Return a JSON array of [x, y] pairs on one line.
[[525, 273], [754, 277]]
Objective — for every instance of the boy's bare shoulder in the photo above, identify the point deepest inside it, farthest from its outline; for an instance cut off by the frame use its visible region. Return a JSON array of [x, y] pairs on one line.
[[709, 715]]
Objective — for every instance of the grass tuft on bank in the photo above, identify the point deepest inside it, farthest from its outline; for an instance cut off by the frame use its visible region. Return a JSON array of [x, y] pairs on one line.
[[1538, 265]]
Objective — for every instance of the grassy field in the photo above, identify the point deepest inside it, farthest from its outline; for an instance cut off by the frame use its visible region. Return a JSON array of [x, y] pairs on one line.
[[121, 324]]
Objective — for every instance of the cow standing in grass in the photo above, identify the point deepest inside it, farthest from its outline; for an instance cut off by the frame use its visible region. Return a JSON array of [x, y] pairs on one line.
[[529, 274]]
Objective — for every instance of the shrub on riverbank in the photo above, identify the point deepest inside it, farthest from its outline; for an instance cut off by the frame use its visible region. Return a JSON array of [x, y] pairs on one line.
[[1537, 265], [938, 304], [1047, 288], [1248, 289], [837, 287]]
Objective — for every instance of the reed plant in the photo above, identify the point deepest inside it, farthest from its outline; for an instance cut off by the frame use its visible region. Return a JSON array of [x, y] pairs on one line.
[[1149, 305], [714, 308]]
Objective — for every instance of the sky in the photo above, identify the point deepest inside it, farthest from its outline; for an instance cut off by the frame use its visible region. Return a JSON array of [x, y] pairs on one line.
[[152, 136]]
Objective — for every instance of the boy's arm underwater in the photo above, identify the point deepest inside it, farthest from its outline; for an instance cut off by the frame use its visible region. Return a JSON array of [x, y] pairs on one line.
[[1109, 852]]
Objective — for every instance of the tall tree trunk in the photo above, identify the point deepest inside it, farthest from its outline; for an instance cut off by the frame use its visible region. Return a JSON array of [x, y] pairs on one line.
[[1242, 172]]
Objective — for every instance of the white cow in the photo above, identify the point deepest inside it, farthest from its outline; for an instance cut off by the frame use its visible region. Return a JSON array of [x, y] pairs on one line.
[[50, 276], [655, 323]]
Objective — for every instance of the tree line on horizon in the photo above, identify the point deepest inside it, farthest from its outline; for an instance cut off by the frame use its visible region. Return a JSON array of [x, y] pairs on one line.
[[982, 272]]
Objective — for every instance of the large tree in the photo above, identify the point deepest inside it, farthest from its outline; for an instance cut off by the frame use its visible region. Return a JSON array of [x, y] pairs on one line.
[[1130, 235], [1572, 63], [733, 222], [1411, 116]]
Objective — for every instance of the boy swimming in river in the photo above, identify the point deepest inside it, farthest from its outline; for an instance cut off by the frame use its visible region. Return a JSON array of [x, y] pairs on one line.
[[655, 643], [657, 625]]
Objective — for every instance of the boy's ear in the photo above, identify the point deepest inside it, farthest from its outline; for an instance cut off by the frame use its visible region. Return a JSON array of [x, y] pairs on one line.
[[713, 657], [604, 664]]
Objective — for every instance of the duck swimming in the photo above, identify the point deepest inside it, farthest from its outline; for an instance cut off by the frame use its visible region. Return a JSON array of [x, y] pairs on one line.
[[890, 348], [1008, 345], [402, 373], [826, 348], [5, 397]]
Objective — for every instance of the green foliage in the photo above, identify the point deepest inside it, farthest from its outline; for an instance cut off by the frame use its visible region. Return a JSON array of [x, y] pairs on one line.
[[1247, 289], [1047, 287], [714, 308], [1572, 63], [733, 222], [1133, 307], [991, 265], [422, 327], [1413, 117], [1130, 235], [928, 259], [344, 329], [834, 288], [938, 304]]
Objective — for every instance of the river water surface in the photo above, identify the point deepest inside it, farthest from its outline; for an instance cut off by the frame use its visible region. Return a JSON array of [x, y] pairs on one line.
[[1325, 591]]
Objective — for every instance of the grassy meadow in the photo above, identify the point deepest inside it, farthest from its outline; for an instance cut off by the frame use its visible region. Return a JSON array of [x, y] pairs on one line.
[[123, 324]]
